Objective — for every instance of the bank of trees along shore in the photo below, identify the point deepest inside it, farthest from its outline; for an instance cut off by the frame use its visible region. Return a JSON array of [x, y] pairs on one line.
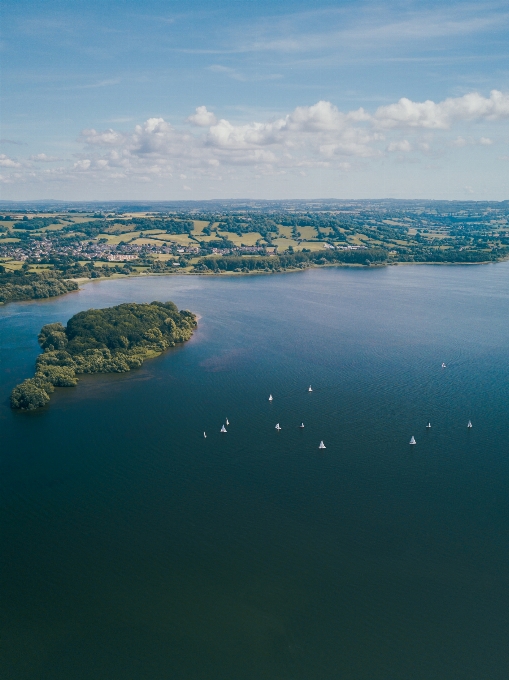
[[293, 260], [111, 340], [25, 285], [73, 245]]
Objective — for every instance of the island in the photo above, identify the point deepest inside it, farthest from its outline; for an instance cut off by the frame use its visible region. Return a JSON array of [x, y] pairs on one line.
[[111, 340]]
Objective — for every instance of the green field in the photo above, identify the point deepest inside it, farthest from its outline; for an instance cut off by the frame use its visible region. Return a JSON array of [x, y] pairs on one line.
[[180, 239], [285, 232], [248, 239], [313, 246], [164, 257], [307, 233], [284, 243], [199, 226], [206, 239]]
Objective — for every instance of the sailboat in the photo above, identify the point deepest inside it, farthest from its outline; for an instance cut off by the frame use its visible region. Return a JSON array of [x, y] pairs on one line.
[[278, 427], [443, 365], [223, 429], [412, 441], [205, 435], [469, 423], [310, 389], [322, 445], [227, 421], [271, 397], [301, 425], [428, 425]]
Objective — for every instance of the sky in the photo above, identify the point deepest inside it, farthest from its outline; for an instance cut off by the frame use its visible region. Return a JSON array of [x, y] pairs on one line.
[[164, 100]]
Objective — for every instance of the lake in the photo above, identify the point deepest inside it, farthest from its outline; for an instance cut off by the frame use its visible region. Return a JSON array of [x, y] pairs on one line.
[[133, 548]]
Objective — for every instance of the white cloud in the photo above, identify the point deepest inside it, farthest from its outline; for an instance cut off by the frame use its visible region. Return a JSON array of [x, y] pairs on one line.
[[471, 141], [107, 137], [202, 117], [441, 116], [308, 137], [6, 162], [402, 146], [378, 26], [459, 142], [82, 165]]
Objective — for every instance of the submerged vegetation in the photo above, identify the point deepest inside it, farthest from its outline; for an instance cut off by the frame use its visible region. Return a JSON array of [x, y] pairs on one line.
[[111, 340]]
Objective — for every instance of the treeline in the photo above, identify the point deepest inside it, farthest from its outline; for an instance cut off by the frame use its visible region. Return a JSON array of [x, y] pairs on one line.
[[365, 256], [112, 340], [96, 227], [34, 223], [450, 256], [22, 285]]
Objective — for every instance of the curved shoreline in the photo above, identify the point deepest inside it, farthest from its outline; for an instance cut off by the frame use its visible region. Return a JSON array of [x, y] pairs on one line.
[[291, 270]]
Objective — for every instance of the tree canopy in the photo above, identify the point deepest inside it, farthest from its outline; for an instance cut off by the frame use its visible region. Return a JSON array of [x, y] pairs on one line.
[[111, 340]]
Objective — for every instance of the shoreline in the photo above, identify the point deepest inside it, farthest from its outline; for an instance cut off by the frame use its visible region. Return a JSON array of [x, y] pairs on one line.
[[291, 270]]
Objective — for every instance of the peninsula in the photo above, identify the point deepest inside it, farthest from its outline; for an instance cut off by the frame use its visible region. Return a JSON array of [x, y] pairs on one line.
[[111, 340]]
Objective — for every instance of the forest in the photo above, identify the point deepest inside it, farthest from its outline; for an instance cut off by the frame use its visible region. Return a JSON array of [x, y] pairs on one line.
[[24, 285], [111, 340]]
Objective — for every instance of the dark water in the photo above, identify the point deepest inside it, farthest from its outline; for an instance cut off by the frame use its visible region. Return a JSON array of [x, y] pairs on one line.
[[132, 547]]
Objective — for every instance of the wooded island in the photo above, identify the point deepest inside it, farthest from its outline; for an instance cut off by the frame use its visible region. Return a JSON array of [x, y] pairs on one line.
[[111, 340]]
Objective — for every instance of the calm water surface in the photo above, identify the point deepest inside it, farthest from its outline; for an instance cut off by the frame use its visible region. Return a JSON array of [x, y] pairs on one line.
[[133, 548]]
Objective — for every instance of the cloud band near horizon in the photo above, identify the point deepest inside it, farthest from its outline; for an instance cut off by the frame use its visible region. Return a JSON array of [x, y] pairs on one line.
[[309, 138]]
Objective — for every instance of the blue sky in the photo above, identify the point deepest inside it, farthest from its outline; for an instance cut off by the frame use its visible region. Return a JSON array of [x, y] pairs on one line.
[[195, 100]]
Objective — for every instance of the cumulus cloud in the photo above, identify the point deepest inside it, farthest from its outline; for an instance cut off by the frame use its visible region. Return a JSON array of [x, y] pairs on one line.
[[82, 165], [6, 162], [312, 137], [202, 117], [441, 115]]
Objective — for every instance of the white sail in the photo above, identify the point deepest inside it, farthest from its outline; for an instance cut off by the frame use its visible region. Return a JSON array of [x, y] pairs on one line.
[[271, 397], [310, 389], [278, 427], [223, 429], [469, 423], [205, 435], [301, 425], [412, 441], [322, 445], [227, 421], [428, 425], [443, 365]]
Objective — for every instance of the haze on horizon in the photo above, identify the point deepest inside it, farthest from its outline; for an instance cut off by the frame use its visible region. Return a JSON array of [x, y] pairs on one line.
[[270, 100]]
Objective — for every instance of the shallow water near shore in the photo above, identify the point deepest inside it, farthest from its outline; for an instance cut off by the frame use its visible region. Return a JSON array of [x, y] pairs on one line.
[[132, 547]]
